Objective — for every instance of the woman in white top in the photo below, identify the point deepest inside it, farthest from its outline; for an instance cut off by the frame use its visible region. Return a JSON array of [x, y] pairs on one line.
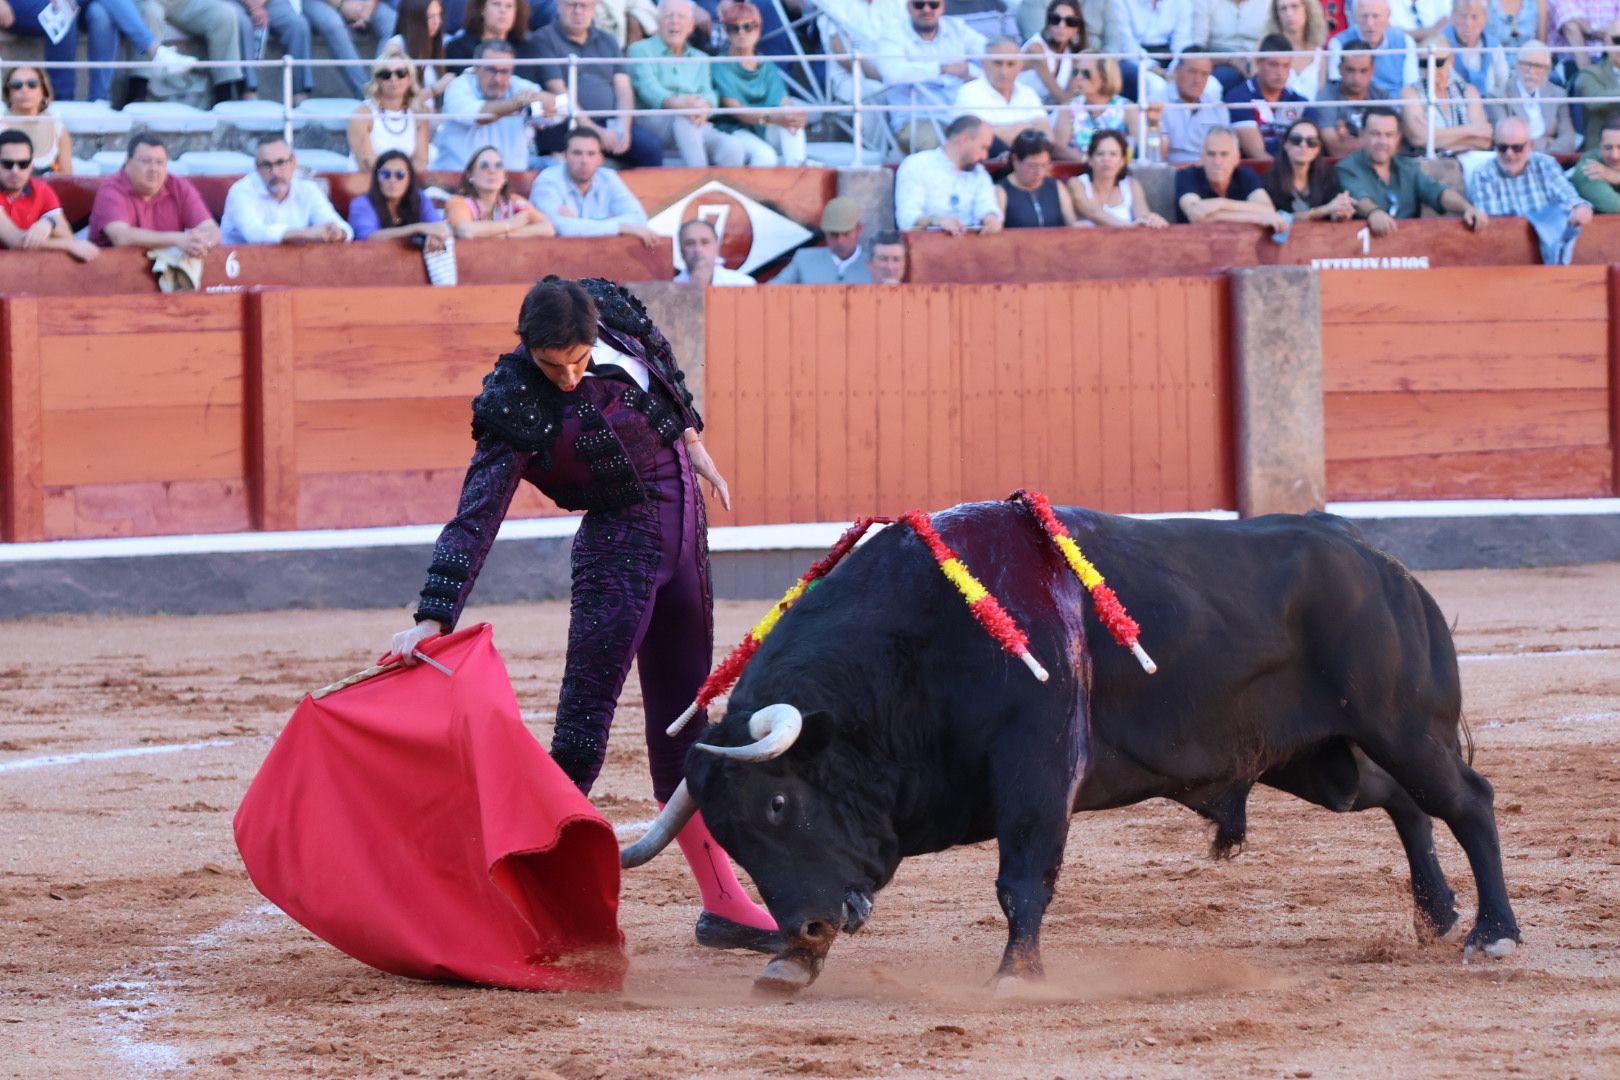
[[384, 120], [1110, 195], [1305, 27], [1050, 70], [27, 94]]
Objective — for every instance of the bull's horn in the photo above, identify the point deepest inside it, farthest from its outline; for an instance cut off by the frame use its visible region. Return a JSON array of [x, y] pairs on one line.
[[670, 821], [774, 729]]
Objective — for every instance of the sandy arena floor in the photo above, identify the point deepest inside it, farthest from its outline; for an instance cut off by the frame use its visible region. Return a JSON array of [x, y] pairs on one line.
[[134, 944]]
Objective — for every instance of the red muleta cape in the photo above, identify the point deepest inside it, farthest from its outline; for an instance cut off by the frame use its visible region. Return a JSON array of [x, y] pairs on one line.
[[412, 821]]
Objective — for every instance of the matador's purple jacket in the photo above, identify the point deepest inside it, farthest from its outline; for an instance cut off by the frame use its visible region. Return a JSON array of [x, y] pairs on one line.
[[640, 557]]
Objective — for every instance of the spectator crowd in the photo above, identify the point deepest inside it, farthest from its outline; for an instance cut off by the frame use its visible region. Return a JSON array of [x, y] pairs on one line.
[[1337, 115]]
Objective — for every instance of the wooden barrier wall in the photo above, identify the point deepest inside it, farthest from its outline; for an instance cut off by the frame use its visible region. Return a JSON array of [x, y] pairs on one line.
[[1468, 383], [879, 401]]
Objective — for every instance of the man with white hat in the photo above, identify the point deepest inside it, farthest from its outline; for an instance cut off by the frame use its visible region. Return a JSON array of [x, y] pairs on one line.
[[840, 262]]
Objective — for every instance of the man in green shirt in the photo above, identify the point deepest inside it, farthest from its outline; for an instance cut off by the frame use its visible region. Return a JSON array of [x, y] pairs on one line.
[[1597, 175], [661, 81], [1386, 186], [1600, 79]]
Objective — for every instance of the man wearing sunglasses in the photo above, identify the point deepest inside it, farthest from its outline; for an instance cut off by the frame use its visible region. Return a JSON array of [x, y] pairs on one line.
[[274, 205], [31, 218], [1387, 186], [1600, 80], [924, 62], [1523, 183], [1456, 113]]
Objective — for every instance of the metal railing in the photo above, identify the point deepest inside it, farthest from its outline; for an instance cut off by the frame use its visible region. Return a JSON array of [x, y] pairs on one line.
[[860, 111]]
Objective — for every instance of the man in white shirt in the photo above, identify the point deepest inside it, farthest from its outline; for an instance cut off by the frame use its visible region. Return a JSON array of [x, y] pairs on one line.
[[273, 205], [924, 62], [487, 105], [999, 99], [948, 188], [700, 251]]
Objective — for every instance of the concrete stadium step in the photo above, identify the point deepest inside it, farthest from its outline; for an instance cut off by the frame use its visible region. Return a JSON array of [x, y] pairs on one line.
[[84, 118]]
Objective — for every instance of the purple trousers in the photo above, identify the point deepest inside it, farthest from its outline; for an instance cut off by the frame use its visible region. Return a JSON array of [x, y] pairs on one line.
[[640, 592]]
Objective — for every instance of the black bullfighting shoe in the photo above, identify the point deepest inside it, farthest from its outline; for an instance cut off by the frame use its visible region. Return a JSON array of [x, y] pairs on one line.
[[719, 932]]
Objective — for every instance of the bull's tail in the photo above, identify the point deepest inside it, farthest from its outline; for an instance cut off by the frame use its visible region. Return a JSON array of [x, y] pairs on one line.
[[1468, 736]]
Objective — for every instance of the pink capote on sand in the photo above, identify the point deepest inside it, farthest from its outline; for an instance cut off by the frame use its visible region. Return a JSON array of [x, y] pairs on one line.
[[412, 821]]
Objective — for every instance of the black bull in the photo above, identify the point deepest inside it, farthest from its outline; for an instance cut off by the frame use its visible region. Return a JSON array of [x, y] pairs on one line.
[[1290, 653]]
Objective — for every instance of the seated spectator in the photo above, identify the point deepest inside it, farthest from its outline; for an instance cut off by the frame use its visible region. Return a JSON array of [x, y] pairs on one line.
[[421, 37], [1528, 22], [1159, 28], [1477, 56], [664, 81], [947, 188], [1302, 182], [1303, 23], [922, 61], [841, 261], [484, 206], [28, 96], [1583, 26], [1107, 194], [1188, 117], [494, 20], [22, 17], [1231, 26], [1000, 100], [489, 106], [747, 82], [1263, 106], [887, 264], [1221, 189], [214, 21], [274, 205], [337, 20], [106, 21], [256, 22], [1029, 196], [396, 207], [1420, 19], [700, 251], [1341, 107], [605, 93], [385, 120], [1596, 175], [580, 198], [31, 217], [851, 26], [1458, 118], [1387, 187], [1054, 50], [144, 206], [1600, 79], [1523, 183], [1098, 106], [1394, 54], [1545, 108], [626, 21]]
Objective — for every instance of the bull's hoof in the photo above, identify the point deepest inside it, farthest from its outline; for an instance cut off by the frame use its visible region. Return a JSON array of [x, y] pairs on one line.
[[785, 976], [1495, 950], [1016, 987]]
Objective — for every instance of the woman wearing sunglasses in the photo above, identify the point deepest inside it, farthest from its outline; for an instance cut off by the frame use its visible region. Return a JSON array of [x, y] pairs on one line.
[[385, 121], [1098, 106], [747, 82], [484, 205], [27, 94], [396, 207], [1050, 70], [1302, 182]]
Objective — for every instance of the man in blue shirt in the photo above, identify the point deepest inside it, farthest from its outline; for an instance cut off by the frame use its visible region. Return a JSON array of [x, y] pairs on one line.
[[583, 199], [1262, 106]]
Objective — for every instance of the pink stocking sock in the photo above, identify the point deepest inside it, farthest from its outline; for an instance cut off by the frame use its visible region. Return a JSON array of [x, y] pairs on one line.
[[722, 894]]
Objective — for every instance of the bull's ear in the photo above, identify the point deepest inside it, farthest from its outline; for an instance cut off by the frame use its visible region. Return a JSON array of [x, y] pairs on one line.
[[815, 736]]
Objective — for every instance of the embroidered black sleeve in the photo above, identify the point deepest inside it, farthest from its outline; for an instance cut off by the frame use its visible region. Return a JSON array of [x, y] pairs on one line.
[[492, 478], [518, 406]]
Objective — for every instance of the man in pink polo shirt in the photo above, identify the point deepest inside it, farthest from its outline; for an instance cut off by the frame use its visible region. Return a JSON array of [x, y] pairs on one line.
[[143, 206]]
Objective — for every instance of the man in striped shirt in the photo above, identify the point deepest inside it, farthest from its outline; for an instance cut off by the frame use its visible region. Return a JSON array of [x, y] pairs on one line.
[[1523, 183]]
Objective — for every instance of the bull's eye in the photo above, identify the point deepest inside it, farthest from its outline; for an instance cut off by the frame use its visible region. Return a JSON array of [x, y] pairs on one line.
[[776, 811]]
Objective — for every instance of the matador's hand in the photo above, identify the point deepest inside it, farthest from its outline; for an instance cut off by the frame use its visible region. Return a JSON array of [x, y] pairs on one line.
[[703, 465], [406, 641]]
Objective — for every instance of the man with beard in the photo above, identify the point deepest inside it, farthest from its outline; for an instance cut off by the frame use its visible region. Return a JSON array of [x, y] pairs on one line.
[[583, 199], [272, 205]]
